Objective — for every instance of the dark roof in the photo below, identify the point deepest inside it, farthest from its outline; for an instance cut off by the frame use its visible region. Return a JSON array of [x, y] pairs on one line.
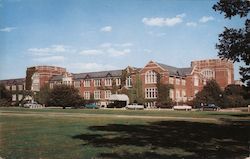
[[13, 81], [174, 71], [112, 73]]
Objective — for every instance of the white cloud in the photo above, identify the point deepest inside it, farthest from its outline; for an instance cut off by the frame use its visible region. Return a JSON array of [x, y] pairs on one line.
[[159, 21], [91, 52], [156, 34], [8, 29], [106, 29], [50, 59], [114, 52], [124, 45], [89, 67], [50, 50], [106, 45], [205, 19], [191, 24]]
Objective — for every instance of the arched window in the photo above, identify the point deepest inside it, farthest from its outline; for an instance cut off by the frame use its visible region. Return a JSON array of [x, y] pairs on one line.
[[150, 77], [208, 74]]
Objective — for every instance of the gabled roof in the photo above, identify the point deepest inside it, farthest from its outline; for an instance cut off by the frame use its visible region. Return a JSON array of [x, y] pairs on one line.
[[101, 74], [13, 81], [174, 71]]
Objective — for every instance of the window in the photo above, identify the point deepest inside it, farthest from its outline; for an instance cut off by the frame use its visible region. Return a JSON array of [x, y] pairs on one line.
[[177, 93], [86, 83], [20, 96], [183, 82], [13, 97], [77, 84], [51, 85], [128, 81], [171, 93], [118, 81], [177, 81], [20, 87], [97, 83], [7, 87], [183, 93], [13, 87], [108, 82], [196, 81], [97, 94], [171, 80], [150, 104], [208, 73], [86, 95], [150, 77], [151, 93], [107, 94]]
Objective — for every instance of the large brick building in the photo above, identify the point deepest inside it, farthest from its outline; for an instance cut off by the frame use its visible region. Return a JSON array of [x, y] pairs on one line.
[[100, 85]]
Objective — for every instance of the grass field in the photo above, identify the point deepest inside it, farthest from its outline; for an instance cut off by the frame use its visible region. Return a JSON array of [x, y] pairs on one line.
[[46, 133]]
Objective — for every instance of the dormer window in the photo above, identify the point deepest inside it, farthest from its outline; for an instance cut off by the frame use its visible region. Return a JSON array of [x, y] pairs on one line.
[[108, 82]]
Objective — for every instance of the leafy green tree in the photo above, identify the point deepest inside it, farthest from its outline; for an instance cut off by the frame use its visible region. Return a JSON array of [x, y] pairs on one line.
[[210, 94], [163, 99], [65, 96], [235, 96], [5, 96], [234, 43], [43, 96]]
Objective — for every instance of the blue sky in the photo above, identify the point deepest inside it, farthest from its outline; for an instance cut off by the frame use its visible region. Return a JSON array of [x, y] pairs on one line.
[[93, 35]]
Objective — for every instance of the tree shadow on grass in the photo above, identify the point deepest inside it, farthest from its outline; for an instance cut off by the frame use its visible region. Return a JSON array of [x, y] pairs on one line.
[[191, 139]]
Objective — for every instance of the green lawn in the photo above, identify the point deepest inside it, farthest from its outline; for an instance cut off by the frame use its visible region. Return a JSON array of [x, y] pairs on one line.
[[60, 136]]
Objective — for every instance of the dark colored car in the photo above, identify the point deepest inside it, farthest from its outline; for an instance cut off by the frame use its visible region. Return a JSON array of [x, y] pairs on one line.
[[210, 107], [91, 106]]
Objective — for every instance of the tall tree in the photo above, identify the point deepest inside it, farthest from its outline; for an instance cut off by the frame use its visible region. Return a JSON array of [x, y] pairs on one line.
[[44, 95], [163, 98], [234, 44], [210, 94], [5, 96], [65, 96]]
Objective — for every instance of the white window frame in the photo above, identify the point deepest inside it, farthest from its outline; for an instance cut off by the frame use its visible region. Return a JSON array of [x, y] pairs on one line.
[[97, 82], [129, 81], [171, 80], [107, 94], [118, 81], [183, 82], [196, 80], [171, 93], [86, 95], [177, 81], [108, 82], [77, 84], [86, 83], [151, 93], [97, 94], [151, 77]]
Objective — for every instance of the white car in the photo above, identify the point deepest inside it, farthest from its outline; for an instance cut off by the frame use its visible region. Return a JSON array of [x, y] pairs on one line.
[[135, 106], [33, 105], [182, 107]]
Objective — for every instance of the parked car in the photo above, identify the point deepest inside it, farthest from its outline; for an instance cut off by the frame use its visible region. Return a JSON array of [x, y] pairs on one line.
[[210, 107], [135, 106], [182, 107], [32, 105], [91, 106]]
